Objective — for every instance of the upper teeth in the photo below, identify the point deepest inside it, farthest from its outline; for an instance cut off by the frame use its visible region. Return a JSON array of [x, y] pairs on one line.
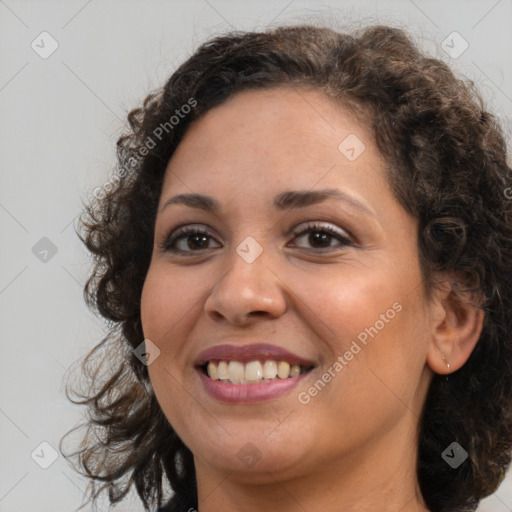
[[252, 372]]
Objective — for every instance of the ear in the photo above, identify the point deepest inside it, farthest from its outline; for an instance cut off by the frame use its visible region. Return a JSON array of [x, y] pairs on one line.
[[456, 324]]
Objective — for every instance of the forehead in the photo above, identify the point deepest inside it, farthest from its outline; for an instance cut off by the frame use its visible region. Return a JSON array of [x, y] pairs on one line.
[[258, 145], [275, 135]]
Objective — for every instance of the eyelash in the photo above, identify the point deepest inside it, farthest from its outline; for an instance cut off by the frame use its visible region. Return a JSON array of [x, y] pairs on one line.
[[311, 227]]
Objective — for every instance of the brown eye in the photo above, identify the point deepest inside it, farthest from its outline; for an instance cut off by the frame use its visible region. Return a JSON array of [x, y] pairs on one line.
[[188, 239], [320, 236]]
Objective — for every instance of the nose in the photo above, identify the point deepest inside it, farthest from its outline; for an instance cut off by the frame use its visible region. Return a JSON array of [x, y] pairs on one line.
[[247, 291]]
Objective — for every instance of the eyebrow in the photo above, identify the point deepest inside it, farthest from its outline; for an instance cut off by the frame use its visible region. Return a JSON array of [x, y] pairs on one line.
[[283, 201]]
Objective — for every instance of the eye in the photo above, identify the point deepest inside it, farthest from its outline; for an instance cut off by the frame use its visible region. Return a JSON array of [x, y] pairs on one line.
[[191, 238], [195, 238], [320, 236]]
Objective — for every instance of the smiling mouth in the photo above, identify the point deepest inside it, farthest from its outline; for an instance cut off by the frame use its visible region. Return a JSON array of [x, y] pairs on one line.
[[252, 372]]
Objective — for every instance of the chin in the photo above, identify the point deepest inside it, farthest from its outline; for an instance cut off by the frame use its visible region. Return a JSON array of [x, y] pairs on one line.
[[252, 456]]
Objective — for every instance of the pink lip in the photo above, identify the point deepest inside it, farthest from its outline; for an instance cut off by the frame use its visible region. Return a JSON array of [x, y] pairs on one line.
[[245, 393], [253, 352]]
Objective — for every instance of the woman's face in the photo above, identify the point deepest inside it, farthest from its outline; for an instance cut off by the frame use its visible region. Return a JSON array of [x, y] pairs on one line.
[[332, 279]]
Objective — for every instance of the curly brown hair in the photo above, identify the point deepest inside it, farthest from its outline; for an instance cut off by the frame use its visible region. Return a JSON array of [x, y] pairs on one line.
[[446, 158]]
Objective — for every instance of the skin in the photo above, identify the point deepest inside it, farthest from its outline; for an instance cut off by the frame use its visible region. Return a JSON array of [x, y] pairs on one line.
[[353, 446]]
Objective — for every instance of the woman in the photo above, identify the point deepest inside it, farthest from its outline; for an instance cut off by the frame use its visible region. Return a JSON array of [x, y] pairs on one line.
[[307, 264]]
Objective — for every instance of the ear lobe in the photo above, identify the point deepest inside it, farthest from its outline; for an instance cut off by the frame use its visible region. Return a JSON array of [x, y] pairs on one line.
[[456, 329]]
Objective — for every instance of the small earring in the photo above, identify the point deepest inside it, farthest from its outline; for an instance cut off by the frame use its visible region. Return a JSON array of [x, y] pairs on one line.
[[443, 357]]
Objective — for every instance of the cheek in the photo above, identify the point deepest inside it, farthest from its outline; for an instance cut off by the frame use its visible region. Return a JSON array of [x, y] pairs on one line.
[[373, 315], [171, 302], [154, 302], [161, 308], [164, 302], [165, 299], [374, 322], [345, 301]]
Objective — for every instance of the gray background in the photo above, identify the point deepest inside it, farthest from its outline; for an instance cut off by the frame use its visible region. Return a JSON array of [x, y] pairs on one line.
[[60, 118]]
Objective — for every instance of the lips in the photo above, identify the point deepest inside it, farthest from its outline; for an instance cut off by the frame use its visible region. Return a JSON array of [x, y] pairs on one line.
[[253, 352]]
